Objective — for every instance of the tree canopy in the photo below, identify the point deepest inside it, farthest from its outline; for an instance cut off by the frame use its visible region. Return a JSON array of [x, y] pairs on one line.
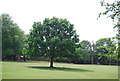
[[106, 49], [12, 37], [53, 38]]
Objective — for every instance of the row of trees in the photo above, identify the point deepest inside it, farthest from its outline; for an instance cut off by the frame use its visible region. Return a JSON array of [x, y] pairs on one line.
[[12, 38], [103, 51], [54, 39]]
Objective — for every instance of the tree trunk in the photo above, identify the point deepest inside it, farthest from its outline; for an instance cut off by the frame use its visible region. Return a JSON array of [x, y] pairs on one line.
[[92, 61], [51, 62], [24, 58], [110, 63]]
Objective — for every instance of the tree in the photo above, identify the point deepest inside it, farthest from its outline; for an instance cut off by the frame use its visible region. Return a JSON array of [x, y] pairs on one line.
[[53, 38], [106, 48], [12, 37], [85, 55], [78, 56], [25, 47], [93, 52], [89, 46], [113, 11], [85, 44]]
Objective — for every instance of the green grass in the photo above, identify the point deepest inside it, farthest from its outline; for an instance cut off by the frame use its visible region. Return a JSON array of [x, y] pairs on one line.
[[41, 70]]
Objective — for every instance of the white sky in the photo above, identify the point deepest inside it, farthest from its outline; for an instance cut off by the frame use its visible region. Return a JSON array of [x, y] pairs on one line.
[[82, 13]]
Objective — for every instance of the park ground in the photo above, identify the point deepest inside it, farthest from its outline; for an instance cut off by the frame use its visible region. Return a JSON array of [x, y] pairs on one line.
[[41, 70]]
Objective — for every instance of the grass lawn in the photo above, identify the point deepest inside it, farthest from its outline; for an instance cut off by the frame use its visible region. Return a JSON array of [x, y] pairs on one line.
[[41, 70]]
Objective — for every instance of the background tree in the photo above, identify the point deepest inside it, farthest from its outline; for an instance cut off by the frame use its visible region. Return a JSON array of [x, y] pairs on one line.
[[77, 57], [93, 52], [106, 48], [12, 37], [25, 47], [90, 48], [54, 38], [113, 11]]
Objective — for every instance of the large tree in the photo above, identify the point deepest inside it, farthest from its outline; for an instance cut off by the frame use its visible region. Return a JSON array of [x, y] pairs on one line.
[[53, 38], [12, 37]]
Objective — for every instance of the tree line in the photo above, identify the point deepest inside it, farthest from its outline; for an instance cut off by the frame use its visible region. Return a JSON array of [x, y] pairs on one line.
[[54, 39]]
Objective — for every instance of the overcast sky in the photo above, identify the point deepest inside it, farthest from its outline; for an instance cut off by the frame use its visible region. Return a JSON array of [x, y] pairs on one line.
[[82, 13]]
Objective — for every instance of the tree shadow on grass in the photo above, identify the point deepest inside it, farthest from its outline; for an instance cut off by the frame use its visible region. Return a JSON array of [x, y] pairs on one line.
[[60, 69]]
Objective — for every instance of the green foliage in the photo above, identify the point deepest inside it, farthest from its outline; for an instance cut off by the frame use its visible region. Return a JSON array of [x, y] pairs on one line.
[[113, 11], [25, 45], [88, 51], [106, 48], [53, 38], [12, 36], [85, 44]]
